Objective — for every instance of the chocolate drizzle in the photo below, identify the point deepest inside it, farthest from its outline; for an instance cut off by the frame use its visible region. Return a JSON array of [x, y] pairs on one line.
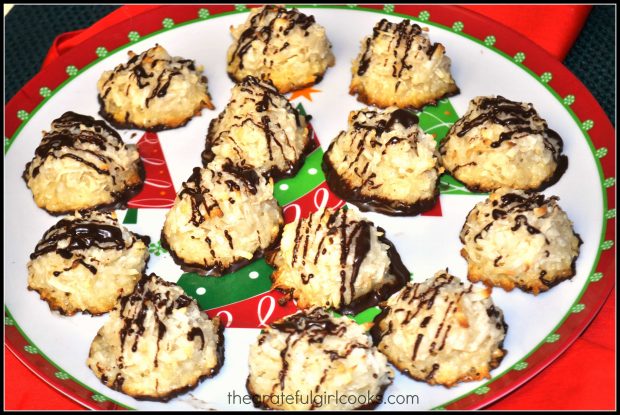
[[356, 194], [266, 100], [76, 133], [81, 234], [261, 29], [519, 120]]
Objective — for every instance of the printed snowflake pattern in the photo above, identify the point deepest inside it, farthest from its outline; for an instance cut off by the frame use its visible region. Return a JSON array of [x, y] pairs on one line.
[[133, 36], [520, 366], [8, 321], [240, 7], [101, 52], [546, 77], [609, 182], [458, 26], [22, 115], [601, 152], [489, 40], [31, 349], [7, 144], [62, 375], [596, 277], [519, 57], [424, 15], [167, 23], [203, 13], [577, 308], [45, 92], [607, 245], [99, 398], [389, 8], [587, 125], [569, 100], [610, 214], [156, 248], [482, 390], [71, 70], [552, 338], [351, 6]]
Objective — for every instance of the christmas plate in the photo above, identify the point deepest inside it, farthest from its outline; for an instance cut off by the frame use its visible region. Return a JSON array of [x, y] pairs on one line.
[[487, 59]]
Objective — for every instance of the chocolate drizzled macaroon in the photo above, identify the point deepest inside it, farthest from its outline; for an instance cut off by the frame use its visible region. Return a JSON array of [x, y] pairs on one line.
[[259, 129], [85, 262], [503, 143], [384, 162], [157, 343], [153, 91], [285, 46], [441, 331], [312, 353], [398, 65], [223, 218], [336, 259], [82, 164], [519, 239]]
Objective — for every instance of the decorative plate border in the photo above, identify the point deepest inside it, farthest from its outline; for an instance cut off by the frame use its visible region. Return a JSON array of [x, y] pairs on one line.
[[562, 84]]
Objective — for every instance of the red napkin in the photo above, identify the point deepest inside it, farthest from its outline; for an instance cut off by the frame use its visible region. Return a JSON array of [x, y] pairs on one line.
[[554, 28]]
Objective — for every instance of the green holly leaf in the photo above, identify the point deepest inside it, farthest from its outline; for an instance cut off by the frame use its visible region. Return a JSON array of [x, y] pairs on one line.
[[45, 92], [31, 349], [167, 23], [587, 125], [569, 99], [520, 366], [552, 338], [610, 214], [546, 77], [482, 390], [577, 308], [601, 152], [596, 276], [71, 70], [424, 15], [610, 181], [519, 57], [62, 375], [101, 52], [458, 26], [489, 40], [607, 245], [133, 36], [22, 115]]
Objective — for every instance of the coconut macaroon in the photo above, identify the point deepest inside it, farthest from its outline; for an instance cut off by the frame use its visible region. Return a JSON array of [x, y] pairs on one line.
[[384, 162], [82, 164], [259, 129], [441, 331], [223, 218], [310, 355], [503, 143], [157, 343], [153, 91], [285, 46], [85, 262], [336, 258], [398, 65], [519, 239]]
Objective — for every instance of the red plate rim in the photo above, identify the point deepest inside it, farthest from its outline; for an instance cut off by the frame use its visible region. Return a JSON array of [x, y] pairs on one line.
[[558, 80]]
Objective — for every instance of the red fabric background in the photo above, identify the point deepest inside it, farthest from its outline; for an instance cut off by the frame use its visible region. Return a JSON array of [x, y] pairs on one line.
[[582, 378]]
